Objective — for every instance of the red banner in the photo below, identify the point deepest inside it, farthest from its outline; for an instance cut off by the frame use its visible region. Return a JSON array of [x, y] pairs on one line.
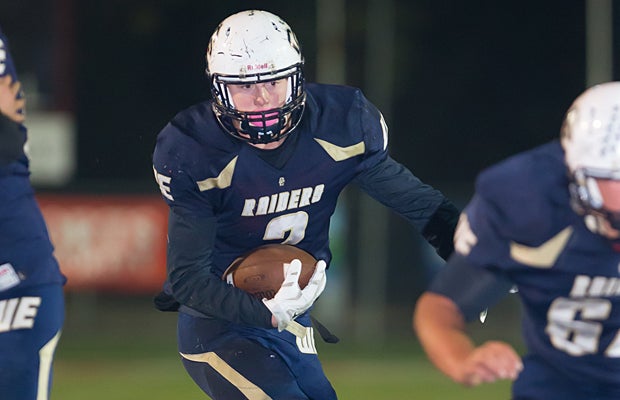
[[115, 243]]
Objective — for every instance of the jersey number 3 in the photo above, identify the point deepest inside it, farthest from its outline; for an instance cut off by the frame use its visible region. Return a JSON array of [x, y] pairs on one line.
[[294, 224]]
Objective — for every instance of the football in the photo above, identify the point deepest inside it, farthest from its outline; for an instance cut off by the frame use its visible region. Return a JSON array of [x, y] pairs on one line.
[[260, 272]]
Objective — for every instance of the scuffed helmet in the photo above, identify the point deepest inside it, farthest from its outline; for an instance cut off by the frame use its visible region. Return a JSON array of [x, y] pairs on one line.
[[252, 47]]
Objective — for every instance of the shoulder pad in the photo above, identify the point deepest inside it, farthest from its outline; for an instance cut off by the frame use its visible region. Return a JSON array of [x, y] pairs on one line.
[[342, 115], [525, 191]]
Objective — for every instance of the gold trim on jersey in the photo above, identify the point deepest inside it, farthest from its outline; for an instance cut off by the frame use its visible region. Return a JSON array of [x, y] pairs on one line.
[[46, 356], [222, 181], [543, 256], [342, 153], [249, 390]]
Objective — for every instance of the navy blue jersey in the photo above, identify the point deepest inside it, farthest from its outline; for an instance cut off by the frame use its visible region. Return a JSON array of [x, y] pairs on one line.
[[24, 241], [342, 138], [520, 224]]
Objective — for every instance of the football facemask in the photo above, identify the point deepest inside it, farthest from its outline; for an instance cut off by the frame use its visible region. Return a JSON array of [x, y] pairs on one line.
[[263, 126], [598, 199]]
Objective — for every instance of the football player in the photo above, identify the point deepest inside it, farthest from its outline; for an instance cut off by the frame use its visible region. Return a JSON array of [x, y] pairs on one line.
[[546, 221], [31, 284], [264, 162]]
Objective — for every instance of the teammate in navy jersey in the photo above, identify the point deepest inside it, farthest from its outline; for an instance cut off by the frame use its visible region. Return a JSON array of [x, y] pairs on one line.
[[547, 221], [31, 284], [264, 162]]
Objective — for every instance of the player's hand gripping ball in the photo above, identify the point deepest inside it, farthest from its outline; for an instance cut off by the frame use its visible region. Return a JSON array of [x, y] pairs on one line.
[[261, 271]]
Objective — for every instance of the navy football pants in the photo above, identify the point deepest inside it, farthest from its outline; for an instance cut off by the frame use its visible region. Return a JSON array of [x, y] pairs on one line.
[[30, 323], [234, 362]]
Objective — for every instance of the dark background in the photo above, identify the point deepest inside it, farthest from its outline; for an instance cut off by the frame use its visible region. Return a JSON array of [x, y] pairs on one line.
[[473, 82]]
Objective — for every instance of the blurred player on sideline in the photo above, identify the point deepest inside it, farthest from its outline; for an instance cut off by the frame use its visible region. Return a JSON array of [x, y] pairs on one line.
[[31, 284], [547, 221], [264, 162]]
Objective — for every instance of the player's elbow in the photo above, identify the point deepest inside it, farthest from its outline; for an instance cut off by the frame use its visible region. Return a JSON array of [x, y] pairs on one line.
[[434, 312]]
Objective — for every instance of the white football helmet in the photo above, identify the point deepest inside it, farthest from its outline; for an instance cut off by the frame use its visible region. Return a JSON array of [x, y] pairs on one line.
[[250, 47], [591, 141]]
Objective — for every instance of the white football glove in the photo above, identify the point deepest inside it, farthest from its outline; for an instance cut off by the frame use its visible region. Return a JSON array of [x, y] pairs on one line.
[[291, 301]]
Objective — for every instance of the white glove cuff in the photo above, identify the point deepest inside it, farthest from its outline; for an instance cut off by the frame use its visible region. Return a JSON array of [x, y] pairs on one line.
[[281, 315]]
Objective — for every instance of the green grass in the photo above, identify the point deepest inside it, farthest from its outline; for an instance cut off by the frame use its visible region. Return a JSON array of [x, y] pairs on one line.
[[402, 379], [164, 378], [122, 379], [397, 370], [354, 377], [124, 350]]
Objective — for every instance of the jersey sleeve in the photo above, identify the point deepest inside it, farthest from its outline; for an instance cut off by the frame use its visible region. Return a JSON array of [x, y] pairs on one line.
[[473, 277], [424, 207], [481, 235], [194, 285], [472, 289], [191, 231], [395, 186], [521, 200], [174, 165], [375, 132]]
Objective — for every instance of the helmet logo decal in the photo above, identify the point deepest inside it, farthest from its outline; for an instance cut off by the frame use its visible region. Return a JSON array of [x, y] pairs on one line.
[[251, 67]]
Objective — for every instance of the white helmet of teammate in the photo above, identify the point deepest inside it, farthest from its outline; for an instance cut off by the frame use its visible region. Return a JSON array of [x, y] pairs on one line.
[[591, 141], [254, 47]]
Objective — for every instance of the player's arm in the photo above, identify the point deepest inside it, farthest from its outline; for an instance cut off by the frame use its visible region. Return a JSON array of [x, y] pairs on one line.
[[425, 207], [396, 187], [190, 245], [456, 296], [11, 137], [192, 228]]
